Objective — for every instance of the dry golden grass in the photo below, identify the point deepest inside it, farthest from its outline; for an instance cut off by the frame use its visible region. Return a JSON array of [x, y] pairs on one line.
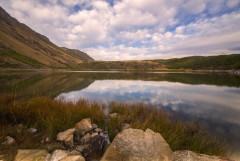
[[51, 116]]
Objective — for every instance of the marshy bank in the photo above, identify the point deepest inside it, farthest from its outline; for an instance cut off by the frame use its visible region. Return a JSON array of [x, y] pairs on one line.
[[50, 117]]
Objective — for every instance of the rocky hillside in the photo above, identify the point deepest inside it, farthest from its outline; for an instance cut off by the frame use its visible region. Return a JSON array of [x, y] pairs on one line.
[[78, 54], [21, 47]]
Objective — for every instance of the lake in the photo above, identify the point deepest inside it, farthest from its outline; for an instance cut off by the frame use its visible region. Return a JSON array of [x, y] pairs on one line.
[[213, 100]]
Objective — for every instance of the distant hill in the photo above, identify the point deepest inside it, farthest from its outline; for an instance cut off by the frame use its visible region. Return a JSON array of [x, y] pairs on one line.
[[220, 62], [22, 47], [78, 54]]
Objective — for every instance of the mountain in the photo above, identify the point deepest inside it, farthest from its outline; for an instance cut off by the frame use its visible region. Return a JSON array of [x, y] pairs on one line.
[[22, 47], [78, 54]]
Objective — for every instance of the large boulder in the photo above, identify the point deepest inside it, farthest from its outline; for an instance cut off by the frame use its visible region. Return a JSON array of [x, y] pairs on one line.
[[84, 125], [186, 155], [32, 155], [135, 144]]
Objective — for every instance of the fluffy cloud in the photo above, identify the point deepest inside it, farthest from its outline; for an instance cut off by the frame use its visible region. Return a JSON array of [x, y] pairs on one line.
[[135, 29]]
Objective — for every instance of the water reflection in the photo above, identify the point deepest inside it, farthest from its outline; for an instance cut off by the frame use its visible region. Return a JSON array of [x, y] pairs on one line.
[[217, 107], [211, 99]]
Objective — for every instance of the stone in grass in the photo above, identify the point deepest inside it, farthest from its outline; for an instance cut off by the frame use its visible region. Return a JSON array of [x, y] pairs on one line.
[[98, 130], [135, 144], [32, 130], [96, 143], [94, 126], [73, 158], [32, 154], [9, 141], [185, 155], [78, 134], [84, 125], [58, 155], [80, 148], [66, 137], [114, 115]]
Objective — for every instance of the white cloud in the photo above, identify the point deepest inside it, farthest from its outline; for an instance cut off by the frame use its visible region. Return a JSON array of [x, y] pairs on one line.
[[134, 29]]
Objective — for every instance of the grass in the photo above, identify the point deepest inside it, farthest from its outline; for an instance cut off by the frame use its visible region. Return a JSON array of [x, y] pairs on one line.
[[51, 116], [220, 62], [21, 58]]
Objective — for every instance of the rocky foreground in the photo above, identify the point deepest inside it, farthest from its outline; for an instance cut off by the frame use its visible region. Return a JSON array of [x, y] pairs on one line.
[[85, 138]]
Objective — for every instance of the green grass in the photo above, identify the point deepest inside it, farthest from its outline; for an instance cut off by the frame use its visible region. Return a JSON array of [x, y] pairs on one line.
[[220, 62], [21, 58], [50, 117]]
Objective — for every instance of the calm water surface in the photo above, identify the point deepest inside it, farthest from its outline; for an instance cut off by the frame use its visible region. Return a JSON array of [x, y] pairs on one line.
[[210, 99]]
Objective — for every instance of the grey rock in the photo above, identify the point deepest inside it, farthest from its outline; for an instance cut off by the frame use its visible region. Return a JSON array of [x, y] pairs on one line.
[[94, 126], [78, 134], [32, 154], [58, 155], [80, 148], [98, 130], [96, 143], [186, 155], [85, 138], [94, 134], [84, 125], [135, 144], [32, 130], [73, 158], [8, 141]]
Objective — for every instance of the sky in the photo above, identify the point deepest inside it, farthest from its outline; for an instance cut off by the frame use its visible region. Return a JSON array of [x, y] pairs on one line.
[[134, 29]]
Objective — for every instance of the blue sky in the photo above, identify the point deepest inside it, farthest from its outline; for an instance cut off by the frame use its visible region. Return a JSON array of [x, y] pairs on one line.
[[135, 29]]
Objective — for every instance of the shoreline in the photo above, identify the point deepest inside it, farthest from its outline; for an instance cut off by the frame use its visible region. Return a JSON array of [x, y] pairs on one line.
[[45, 115]]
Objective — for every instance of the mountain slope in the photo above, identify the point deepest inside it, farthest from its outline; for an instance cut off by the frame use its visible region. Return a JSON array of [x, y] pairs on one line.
[[78, 54], [21, 47]]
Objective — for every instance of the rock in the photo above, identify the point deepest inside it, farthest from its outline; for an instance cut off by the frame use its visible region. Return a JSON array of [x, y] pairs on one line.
[[74, 152], [98, 130], [73, 158], [19, 128], [65, 135], [58, 155], [113, 115], [85, 138], [78, 134], [69, 143], [84, 125], [94, 126], [32, 155], [8, 141], [186, 155], [32, 130], [94, 134], [81, 148], [135, 144], [125, 126], [96, 143]]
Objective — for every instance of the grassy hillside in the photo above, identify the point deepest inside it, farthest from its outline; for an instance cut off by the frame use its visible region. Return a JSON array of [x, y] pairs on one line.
[[35, 50], [220, 62], [120, 65]]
